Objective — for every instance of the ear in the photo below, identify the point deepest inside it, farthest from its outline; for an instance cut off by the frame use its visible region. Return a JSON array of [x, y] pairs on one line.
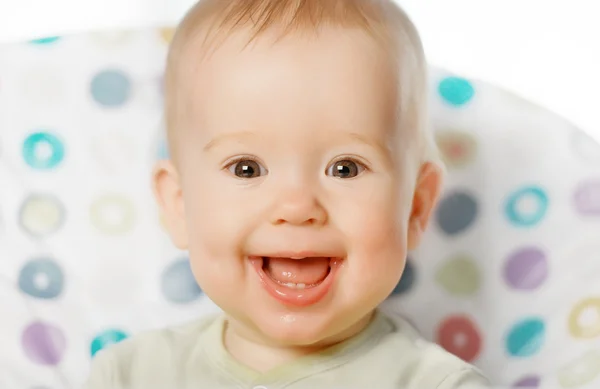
[[168, 195], [426, 195]]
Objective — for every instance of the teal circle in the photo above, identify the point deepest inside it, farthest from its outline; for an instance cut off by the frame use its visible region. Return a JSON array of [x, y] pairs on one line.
[[456, 91], [47, 162], [111, 88], [105, 339], [521, 219], [526, 338], [45, 41]]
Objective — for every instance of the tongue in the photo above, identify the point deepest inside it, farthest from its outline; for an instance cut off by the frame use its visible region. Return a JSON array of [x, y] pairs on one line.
[[306, 271]]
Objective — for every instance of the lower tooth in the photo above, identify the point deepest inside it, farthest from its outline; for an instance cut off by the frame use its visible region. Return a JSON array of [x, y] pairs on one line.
[[295, 286]]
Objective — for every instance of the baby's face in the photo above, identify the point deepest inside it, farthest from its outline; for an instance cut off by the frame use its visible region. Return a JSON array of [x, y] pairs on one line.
[[295, 193]]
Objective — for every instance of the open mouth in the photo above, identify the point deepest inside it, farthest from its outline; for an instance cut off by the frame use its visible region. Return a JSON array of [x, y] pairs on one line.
[[300, 273], [298, 281]]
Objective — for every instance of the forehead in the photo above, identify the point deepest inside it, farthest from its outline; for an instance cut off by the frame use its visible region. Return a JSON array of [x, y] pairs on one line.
[[339, 79]]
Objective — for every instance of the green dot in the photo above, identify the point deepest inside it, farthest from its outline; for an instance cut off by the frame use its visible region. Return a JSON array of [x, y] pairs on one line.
[[43, 150], [459, 276], [105, 339], [45, 40], [526, 338], [456, 91]]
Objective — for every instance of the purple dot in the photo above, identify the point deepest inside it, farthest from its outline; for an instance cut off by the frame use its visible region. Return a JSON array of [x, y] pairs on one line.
[[43, 343], [587, 198], [526, 269], [527, 382]]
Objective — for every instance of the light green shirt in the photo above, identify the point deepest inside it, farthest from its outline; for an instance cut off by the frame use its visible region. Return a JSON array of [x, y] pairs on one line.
[[388, 354]]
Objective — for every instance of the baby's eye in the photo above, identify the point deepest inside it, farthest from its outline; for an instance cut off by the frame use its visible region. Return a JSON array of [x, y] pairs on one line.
[[247, 168], [345, 168]]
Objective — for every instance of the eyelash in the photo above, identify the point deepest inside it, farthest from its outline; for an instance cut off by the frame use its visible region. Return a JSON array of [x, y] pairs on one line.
[[351, 158], [241, 158]]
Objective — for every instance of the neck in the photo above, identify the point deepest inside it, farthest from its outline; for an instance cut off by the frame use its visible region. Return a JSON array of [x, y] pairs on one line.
[[262, 355]]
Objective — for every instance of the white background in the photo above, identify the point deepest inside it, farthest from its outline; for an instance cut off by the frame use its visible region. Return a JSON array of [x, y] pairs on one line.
[[548, 51]]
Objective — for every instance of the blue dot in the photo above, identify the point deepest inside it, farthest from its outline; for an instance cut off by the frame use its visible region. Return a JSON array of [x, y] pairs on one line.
[[526, 338], [527, 206], [45, 41], [456, 91], [41, 278], [163, 151], [456, 212], [111, 88], [105, 339], [43, 151], [407, 281], [178, 283]]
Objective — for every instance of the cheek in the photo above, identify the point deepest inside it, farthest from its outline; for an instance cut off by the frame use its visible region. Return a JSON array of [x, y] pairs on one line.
[[215, 227], [217, 217], [376, 233], [209, 219], [375, 220]]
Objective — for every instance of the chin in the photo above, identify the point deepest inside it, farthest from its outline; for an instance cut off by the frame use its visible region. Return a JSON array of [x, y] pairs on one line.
[[295, 329]]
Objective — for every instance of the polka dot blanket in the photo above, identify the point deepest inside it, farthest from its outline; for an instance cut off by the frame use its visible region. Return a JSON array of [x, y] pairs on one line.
[[508, 277]]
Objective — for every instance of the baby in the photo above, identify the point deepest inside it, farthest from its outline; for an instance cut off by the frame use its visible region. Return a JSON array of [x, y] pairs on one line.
[[301, 173]]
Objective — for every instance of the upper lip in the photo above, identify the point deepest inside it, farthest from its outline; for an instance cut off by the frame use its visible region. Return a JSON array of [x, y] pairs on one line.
[[298, 254]]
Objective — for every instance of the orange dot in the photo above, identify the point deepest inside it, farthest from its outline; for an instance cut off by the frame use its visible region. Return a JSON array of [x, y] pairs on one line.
[[457, 148], [584, 320], [166, 34], [459, 335]]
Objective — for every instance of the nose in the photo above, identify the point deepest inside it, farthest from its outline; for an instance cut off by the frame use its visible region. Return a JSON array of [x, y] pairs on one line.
[[298, 208]]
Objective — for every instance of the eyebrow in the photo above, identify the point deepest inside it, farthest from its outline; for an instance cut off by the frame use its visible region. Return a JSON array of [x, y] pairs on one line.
[[248, 134], [226, 137], [370, 142]]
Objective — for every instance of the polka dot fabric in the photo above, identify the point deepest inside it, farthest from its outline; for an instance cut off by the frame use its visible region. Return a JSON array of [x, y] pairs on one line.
[[507, 277]]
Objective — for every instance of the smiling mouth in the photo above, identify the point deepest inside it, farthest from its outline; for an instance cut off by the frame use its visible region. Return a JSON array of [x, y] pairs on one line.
[[297, 273], [297, 281]]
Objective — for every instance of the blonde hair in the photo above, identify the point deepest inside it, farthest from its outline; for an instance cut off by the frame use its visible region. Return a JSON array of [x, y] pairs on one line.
[[383, 19]]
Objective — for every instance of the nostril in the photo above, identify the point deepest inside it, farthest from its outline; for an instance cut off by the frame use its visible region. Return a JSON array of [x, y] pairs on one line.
[[307, 222]]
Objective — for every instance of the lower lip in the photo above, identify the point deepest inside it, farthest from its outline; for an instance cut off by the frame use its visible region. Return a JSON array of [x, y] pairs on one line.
[[296, 297]]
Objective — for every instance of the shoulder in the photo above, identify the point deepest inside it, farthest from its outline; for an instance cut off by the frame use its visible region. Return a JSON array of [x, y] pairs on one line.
[[426, 364], [118, 364]]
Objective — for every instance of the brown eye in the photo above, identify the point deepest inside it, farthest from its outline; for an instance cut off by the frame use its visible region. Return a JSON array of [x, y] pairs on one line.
[[247, 168], [345, 169]]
